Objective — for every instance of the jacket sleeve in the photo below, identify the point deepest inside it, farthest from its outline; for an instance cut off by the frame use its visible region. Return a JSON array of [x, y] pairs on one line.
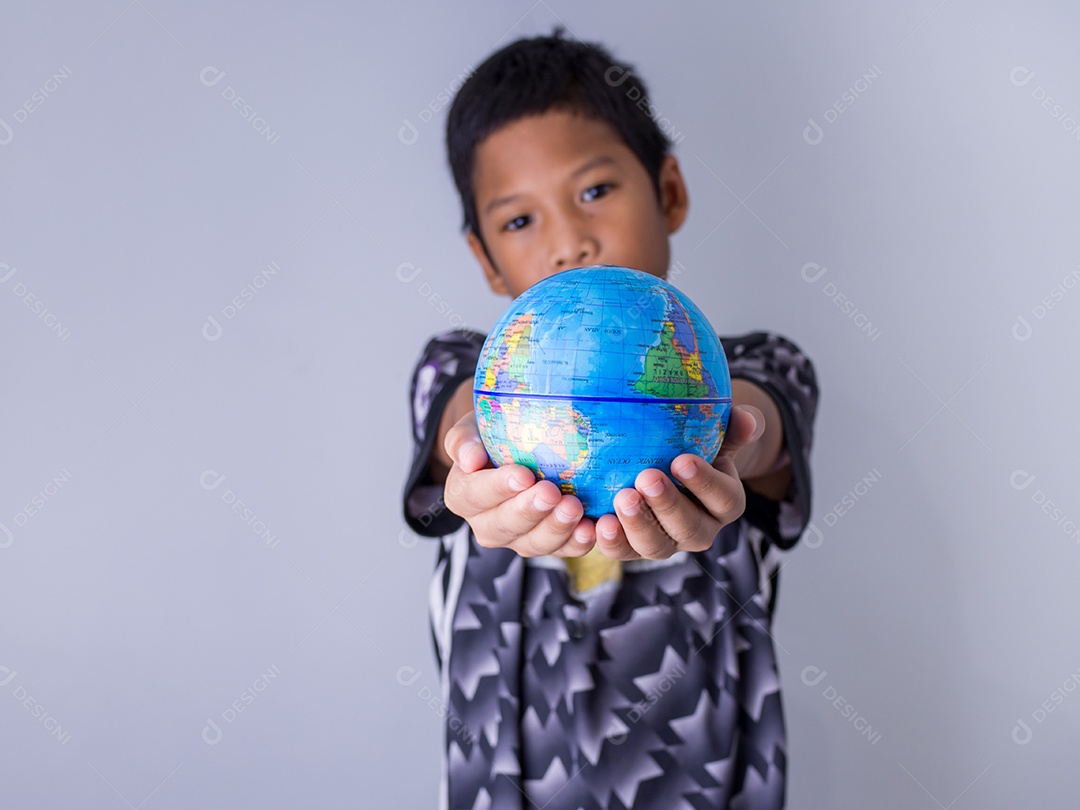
[[780, 368], [446, 361]]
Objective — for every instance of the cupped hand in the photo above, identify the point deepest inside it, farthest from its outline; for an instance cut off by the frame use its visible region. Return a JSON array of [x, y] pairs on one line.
[[506, 506], [654, 520]]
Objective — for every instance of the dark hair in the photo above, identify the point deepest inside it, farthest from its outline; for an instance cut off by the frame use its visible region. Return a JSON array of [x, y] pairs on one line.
[[532, 76]]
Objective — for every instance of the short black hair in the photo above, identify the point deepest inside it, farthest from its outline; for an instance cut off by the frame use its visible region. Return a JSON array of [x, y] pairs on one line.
[[532, 76]]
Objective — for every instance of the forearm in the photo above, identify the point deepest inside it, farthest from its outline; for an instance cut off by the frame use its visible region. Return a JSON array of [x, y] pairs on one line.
[[461, 403]]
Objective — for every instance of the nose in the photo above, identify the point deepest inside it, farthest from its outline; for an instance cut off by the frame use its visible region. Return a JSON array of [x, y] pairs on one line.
[[573, 244]]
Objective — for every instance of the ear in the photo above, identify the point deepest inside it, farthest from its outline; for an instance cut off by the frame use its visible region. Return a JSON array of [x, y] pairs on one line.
[[674, 199], [493, 276]]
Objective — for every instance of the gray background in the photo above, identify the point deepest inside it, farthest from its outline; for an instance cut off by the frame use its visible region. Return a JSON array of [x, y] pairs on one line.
[[144, 598]]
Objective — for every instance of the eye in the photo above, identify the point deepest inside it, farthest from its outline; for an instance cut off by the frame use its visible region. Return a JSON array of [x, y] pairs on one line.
[[596, 192], [517, 223]]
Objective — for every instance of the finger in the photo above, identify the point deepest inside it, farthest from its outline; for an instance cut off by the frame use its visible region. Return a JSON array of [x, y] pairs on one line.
[[644, 532], [464, 446], [585, 533], [515, 522], [719, 490], [746, 424], [468, 494], [560, 533], [612, 541], [687, 524]]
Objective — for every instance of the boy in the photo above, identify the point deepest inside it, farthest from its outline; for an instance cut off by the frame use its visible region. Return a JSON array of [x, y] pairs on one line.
[[624, 662]]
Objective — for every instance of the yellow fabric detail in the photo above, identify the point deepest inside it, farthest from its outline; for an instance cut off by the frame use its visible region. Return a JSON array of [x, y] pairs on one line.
[[593, 569]]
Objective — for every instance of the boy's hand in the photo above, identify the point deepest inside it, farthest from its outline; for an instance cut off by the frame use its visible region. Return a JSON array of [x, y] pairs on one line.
[[654, 520], [506, 506]]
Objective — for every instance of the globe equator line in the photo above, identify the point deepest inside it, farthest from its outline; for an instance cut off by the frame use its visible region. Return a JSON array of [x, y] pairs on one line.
[[593, 397]]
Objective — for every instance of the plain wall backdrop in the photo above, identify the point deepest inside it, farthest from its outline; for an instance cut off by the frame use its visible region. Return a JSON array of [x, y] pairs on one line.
[[226, 232]]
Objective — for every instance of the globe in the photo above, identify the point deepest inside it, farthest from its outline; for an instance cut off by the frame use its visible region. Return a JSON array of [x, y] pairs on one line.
[[597, 373]]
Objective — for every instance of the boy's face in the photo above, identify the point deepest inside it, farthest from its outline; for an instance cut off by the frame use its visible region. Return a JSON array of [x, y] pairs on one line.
[[559, 190]]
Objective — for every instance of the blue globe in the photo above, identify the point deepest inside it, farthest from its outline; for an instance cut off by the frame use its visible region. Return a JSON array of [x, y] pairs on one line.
[[597, 373]]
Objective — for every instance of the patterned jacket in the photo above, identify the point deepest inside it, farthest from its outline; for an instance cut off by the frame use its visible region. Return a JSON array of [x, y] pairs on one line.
[[661, 693]]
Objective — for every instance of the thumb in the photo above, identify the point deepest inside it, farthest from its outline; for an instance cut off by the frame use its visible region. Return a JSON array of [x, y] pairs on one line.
[[746, 424], [464, 446]]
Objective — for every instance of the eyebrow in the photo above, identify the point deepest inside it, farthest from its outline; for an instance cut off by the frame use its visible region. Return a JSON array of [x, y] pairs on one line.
[[588, 165]]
